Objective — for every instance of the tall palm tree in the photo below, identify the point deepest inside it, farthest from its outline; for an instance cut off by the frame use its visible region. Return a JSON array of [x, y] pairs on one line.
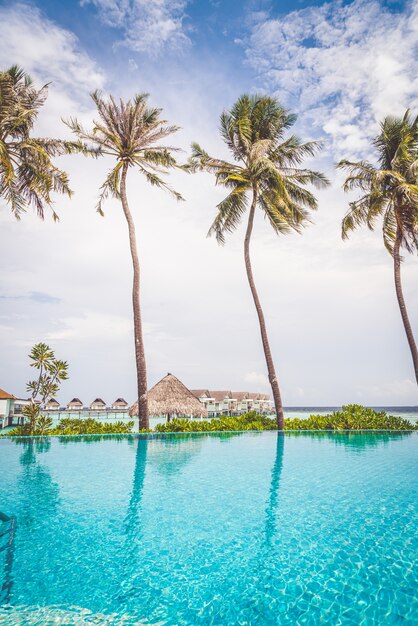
[[129, 132], [264, 173], [27, 174], [389, 190]]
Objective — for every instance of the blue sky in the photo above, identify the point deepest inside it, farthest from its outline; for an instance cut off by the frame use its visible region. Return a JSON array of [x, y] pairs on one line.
[[335, 328]]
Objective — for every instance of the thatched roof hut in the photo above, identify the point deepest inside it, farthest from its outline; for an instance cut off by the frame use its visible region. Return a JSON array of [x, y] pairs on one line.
[[75, 404], [170, 397], [120, 403], [52, 404], [98, 405]]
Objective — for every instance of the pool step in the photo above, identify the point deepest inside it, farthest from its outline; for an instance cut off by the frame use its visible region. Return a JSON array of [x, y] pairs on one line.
[[7, 535]]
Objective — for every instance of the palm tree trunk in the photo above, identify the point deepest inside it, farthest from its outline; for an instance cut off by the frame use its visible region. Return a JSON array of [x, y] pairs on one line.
[[401, 301], [141, 370], [267, 351]]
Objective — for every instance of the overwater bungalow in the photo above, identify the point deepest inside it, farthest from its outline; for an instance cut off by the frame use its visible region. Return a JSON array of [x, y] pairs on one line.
[[171, 398], [120, 405], [98, 405], [75, 405], [52, 405]]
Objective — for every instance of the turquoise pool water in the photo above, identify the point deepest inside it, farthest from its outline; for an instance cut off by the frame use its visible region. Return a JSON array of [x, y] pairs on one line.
[[228, 529]]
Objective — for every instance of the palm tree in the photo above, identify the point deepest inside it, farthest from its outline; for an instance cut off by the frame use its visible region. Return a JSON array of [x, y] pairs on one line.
[[389, 190], [27, 173], [265, 170], [128, 132]]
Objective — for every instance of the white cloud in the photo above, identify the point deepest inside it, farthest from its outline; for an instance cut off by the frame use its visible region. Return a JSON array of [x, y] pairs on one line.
[[92, 327], [402, 391], [257, 380], [46, 50], [50, 54], [342, 66], [148, 25]]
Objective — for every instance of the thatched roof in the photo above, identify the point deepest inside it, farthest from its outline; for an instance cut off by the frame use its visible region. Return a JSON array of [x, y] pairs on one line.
[[121, 401], [53, 401], [99, 401], [75, 401], [171, 397]]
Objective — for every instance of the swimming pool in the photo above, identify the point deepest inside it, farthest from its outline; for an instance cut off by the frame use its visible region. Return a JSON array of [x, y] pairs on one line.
[[225, 529]]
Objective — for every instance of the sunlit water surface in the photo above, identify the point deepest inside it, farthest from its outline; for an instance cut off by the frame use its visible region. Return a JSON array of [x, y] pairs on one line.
[[227, 529]]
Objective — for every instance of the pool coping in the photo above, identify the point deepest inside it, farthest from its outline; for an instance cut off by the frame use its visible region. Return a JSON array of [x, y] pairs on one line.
[[211, 432]]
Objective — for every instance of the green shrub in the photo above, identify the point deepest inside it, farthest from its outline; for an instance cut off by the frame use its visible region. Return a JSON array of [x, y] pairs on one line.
[[72, 426], [89, 426], [351, 417], [248, 421]]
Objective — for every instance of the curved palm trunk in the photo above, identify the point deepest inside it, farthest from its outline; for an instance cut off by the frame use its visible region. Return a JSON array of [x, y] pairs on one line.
[[267, 351], [401, 301], [141, 370]]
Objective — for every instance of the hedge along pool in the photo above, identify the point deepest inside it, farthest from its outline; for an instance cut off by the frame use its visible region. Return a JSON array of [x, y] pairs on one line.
[[229, 528]]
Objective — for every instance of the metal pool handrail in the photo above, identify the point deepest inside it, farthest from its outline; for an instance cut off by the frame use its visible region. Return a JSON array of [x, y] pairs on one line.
[[6, 587]]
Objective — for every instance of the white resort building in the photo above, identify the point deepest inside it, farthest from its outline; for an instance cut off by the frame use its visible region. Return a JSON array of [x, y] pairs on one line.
[[234, 402], [11, 409]]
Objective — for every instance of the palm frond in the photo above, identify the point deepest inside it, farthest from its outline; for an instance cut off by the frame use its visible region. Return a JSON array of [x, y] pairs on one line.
[[110, 187], [389, 190], [389, 229], [278, 214], [129, 131], [28, 175], [265, 162], [157, 181], [230, 211], [355, 216]]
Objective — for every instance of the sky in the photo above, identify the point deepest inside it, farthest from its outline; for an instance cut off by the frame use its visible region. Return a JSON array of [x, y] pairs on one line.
[[332, 316]]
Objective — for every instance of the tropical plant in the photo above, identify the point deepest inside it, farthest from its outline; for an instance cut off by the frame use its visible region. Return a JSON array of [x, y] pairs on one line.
[[73, 426], [264, 173], [129, 132], [248, 421], [351, 417], [51, 373], [43, 425], [389, 191], [90, 426], [28, 175]]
